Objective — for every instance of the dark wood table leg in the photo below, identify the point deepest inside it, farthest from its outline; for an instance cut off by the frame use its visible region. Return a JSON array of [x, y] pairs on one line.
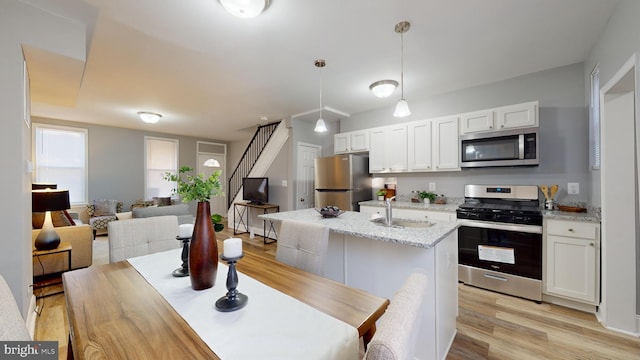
[[366, 338]]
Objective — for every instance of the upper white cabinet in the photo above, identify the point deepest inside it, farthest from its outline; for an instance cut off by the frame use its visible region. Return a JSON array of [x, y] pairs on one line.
[[351, 142], [388, 149], [433, 145], [505, 117], [573, 260]]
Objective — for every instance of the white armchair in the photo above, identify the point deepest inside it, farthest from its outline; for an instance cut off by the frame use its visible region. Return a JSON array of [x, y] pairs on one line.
[[303, 245], [136, 237], [12, 325]]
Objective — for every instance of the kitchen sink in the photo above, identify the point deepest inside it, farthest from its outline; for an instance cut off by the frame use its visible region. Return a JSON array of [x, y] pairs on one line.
[[403, 223]]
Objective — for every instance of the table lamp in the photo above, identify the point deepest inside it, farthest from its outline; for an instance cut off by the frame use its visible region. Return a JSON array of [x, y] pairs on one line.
[[47, 201]]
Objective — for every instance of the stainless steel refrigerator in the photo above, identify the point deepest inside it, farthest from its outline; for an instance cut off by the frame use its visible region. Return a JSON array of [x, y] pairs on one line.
[[342, 181]]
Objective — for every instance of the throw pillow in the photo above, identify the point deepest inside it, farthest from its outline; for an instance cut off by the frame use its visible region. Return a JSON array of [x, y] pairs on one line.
[[104, 207], [124, 215]]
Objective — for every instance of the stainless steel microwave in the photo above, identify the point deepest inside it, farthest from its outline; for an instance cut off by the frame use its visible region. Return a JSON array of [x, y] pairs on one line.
[[518, 147]]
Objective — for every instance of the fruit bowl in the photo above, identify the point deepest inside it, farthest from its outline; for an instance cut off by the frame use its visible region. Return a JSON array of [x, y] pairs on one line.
[[330, 211]]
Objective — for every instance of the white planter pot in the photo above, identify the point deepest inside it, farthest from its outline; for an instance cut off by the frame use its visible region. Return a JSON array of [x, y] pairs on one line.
[[426, 201]]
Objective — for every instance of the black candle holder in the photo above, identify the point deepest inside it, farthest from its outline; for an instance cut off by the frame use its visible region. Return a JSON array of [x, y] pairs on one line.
[[184, 269], [233, 300]]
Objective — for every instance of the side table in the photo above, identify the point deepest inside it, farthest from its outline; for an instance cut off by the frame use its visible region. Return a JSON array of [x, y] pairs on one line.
[[244, 208], [47, 280]]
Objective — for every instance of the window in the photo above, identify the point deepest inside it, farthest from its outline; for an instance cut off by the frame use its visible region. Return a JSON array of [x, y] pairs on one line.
[[161, 156], [60, 157], [594, 120]]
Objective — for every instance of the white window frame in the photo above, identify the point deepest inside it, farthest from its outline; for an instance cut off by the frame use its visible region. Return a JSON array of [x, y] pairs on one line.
[[34, 151], [147, 139], [594, 119]]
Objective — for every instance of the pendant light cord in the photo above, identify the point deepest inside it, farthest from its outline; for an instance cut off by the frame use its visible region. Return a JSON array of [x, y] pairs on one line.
[[402, 65]]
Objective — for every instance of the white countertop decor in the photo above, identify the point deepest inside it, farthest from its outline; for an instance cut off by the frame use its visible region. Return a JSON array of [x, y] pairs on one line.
[[360, 225]]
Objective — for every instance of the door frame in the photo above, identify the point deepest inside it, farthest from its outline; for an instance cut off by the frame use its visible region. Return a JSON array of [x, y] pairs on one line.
[[299, 167]]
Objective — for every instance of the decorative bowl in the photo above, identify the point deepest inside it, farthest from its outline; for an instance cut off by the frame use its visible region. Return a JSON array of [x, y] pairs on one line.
[[330, 212]]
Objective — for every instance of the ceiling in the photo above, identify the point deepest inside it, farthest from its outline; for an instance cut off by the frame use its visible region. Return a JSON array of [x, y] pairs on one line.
[[213, 75]]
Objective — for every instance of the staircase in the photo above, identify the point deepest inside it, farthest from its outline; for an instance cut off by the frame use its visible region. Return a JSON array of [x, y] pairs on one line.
[[257, 158]]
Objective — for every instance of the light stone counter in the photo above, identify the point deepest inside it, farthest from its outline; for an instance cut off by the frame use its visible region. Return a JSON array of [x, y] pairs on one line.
[[590, 216], [450, 206], [360, 225]]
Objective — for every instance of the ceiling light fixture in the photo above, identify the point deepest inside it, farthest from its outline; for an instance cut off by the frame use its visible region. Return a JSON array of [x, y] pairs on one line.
[[320, 124], [211, 163], [149, 117], [383, 88], [245, 8], [402, 107]]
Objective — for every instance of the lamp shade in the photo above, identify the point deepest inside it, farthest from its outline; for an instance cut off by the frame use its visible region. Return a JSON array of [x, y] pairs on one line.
[[42, 186], [320, 126], [49, 200], [402, 109]]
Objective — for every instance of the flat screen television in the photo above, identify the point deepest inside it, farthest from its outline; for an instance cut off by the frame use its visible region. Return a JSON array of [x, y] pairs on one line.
[[255, 190]]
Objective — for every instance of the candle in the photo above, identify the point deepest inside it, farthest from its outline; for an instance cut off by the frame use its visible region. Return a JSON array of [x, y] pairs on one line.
[[232, 248], [185, 230]]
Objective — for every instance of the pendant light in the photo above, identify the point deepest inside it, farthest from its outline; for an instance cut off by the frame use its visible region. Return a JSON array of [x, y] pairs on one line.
[[402, 107], [320, 124]]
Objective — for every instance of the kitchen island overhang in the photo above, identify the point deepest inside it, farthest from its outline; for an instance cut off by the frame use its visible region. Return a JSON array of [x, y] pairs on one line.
[[378, 259]]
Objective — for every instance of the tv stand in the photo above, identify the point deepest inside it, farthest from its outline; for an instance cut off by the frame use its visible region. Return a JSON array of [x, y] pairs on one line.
[[242, 208]]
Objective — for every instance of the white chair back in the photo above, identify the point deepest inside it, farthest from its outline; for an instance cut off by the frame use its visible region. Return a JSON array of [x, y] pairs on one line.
[[12, 325], [303, 245], [137, 237], [395, 334]]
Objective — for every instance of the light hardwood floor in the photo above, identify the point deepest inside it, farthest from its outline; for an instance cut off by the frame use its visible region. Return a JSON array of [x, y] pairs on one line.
[[490, 325]]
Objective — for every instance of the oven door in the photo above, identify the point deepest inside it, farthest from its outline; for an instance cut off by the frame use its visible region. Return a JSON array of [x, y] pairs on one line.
[[505, 248]]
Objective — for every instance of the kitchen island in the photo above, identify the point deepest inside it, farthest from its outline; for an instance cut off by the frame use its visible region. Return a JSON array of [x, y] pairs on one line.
[[377, 259]]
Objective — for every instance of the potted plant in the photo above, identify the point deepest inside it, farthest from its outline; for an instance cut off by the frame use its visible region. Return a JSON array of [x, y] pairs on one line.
[[427, 197], [216, 219], [203, 251], [381, 194]]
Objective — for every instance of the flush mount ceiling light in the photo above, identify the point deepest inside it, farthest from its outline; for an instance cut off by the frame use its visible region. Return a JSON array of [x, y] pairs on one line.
[[244, 8], [383, 88], [211, 163], [320, 124], [149, 117], [402, 107]]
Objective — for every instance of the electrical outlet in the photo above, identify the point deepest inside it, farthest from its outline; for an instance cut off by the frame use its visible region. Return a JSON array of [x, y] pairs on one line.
[[432, 186], [573, 188], [284, 183]]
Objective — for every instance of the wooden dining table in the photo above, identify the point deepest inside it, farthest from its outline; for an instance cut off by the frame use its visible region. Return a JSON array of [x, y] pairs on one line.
[[114, 313]]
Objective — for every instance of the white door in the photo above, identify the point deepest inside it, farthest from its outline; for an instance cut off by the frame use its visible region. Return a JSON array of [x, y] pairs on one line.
[[305, 175], [218, 203]]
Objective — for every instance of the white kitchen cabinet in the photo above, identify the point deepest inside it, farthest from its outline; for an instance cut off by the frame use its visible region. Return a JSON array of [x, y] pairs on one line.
[[573, 260], [501, 118], [433, 145], [388, 149], [351, 142]]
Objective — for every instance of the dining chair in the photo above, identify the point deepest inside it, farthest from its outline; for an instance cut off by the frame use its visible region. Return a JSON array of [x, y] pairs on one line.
[[303, 245], [395, 335], [12, 325], [142, 236]]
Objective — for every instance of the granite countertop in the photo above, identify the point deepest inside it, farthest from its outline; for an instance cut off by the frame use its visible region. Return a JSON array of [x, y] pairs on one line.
[[592, 215], [450, 206], [359, 224]]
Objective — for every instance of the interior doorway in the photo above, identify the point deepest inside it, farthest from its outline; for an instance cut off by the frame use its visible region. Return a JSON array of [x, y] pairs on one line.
[[206, 151], [305, 190], [620, 201]]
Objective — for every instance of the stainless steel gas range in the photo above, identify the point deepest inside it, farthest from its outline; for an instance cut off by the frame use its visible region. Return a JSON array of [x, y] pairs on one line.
[[500, 239]]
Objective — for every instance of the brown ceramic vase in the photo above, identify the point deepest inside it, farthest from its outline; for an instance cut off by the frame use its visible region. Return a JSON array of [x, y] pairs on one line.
[[203, 250]]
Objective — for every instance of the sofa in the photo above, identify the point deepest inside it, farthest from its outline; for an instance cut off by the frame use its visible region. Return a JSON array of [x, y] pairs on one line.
[[81, 239], [179, 210]]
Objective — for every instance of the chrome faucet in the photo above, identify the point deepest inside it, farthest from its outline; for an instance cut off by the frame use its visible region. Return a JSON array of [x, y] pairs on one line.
[[387, 212]]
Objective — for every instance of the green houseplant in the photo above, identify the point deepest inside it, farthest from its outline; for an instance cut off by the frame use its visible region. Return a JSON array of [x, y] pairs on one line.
[[203, 252], [427, 195], [381, 194]]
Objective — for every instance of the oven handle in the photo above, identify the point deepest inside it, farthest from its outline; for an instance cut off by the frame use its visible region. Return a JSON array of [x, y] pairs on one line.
[[494, 277], [533, 229]]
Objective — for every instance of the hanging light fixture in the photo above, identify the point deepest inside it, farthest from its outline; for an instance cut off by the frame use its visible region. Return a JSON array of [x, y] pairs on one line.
[[383, 88], [321, 126], [402, 107], [244, 8]]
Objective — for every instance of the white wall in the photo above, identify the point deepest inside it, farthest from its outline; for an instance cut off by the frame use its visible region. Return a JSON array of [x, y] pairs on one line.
[[22, 24], [563, 131], [618, 42]]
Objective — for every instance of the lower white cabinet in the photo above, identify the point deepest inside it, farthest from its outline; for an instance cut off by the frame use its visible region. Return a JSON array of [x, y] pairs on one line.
[[573, 260]]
